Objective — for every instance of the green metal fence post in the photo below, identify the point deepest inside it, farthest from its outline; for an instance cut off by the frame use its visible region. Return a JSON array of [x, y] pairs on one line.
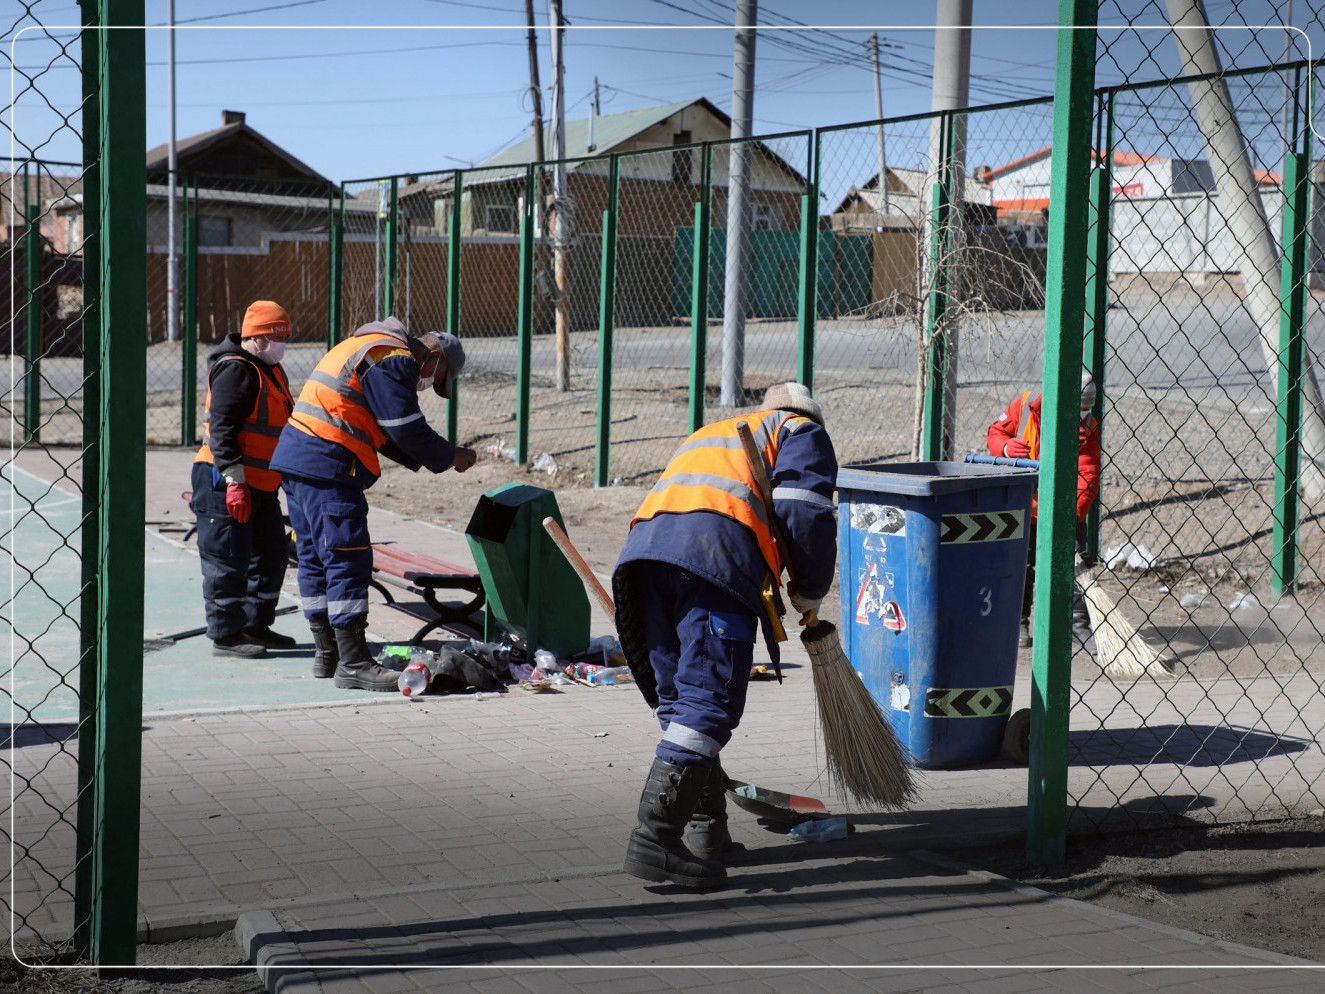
[[809, 271], [1097, 291], [525, 321], [1074, 78], [32, 314], [392, 249], [1288, 420], [936, 319], [89, 601], [121, 105], [189, 338], [606, 330], [453, 249], [699, 292], [336, 263]]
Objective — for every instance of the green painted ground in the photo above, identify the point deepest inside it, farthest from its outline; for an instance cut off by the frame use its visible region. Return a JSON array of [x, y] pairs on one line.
[[180, 677]]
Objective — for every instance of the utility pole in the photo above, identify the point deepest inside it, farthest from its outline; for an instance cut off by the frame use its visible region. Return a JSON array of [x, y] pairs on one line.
[[878, 112], [738, 206], [593, 113], [535, 88], [172, 256], [564, 210], [951, 91]]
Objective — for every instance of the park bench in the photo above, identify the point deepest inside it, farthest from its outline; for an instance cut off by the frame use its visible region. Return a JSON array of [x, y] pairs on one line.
[[395, 566]]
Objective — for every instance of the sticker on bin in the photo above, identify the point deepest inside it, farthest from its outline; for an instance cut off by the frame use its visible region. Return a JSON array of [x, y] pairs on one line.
[[872, 600], [993, 527], [967, 702], [878, 519]]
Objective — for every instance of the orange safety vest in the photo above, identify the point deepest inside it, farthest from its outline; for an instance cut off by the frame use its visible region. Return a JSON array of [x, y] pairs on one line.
[[709, 472], [262, 427], [1027, 427], [332, 405]]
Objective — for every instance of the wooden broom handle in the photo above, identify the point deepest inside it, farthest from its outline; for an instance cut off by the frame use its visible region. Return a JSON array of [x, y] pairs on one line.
[[578, 564], [756, 460]]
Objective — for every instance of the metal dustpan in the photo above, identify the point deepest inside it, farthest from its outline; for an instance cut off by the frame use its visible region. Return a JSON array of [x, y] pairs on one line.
[[773, 805]]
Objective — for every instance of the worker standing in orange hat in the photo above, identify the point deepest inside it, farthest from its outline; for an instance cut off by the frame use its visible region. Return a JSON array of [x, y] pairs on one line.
[[241, 536]]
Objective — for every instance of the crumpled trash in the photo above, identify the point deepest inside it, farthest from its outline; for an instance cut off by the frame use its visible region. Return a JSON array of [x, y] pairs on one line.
[[1129, 555], [1243, 602], [1192, 601], [545, 464], [501, 450]]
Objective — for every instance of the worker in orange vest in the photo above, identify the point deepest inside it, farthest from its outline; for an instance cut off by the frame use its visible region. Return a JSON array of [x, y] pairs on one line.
[[361, 399], [699, 571], [1016, 435], [241, 534]]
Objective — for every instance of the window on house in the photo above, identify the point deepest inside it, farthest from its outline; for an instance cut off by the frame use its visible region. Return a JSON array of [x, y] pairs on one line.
[[764, 217], [500, 217], [213, 231], [683, 160]]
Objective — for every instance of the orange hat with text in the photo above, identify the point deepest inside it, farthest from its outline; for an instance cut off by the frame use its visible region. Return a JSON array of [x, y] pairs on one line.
[[266, 317]]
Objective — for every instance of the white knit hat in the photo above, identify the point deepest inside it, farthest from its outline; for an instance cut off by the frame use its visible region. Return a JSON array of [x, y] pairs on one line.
[[1087, 391], [793, 397]]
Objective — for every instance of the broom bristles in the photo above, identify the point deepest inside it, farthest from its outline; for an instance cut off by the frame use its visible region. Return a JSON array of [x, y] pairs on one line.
[[866, 761], [1119, 648]]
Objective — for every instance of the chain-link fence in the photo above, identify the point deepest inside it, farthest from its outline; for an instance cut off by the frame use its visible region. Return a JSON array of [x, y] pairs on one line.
[[41, 257], [1204, 331]]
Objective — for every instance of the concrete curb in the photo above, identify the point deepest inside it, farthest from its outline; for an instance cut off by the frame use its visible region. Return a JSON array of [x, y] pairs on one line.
[[1251, 952], [275, 958]]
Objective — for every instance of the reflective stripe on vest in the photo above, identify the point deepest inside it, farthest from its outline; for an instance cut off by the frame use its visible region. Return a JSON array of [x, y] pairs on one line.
[[709, 472], [261, 429], [332, 406]]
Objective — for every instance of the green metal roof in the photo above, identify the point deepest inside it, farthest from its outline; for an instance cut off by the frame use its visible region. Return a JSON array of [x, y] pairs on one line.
[[609, 130]]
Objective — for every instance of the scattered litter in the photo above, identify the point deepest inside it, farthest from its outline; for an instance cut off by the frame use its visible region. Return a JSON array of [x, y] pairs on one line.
[[821, 830], [1192, 601], [1243, 602], [501, 450], [1129, 555], [1163, 590], [545, 464], [618, 482], [600, 735], [521, 671]]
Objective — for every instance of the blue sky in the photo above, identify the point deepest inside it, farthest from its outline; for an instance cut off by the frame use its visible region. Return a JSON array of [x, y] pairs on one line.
[[431, 84]]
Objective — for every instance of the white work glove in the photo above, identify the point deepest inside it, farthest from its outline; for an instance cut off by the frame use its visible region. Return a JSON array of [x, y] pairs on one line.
[[804, 605]]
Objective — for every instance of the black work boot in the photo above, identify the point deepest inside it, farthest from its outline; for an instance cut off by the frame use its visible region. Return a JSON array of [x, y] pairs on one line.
[[707, 835], [327, 655], [239, 645], [656, 851], [265, 635], [356, 669]]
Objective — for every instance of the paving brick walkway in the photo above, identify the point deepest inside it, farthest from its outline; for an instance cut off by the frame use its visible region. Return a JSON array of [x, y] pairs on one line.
[[362, 843]]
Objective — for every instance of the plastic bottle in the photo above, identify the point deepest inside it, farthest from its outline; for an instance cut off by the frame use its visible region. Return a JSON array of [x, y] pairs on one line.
[[416, 677], [820, 830], [607, 675]]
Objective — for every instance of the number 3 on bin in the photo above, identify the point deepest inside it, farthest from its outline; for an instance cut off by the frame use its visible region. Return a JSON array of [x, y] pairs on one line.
[[986, 604]]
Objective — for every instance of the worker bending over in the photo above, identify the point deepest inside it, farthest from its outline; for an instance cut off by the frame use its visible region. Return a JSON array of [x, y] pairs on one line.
[[361, 400], [699, 569]]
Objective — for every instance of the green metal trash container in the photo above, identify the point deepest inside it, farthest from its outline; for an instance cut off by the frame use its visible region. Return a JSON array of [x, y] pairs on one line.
[[531, 590]]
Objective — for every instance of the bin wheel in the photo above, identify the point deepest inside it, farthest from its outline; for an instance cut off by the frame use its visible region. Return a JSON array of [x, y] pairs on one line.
[[1017, 738]]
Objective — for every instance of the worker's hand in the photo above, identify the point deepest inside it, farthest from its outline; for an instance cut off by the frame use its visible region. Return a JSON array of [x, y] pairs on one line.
[[804, 605], [239, 502], [1017, 448], [464, 458]]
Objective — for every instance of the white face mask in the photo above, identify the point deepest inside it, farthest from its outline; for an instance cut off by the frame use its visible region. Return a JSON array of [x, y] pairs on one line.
[[272, 354], [424, 383]]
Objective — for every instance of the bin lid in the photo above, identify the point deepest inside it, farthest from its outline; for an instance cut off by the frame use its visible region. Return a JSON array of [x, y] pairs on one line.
[[931, 478]]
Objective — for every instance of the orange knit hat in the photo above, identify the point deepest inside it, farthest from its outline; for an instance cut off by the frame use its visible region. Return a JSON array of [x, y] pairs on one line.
[[266, 317]]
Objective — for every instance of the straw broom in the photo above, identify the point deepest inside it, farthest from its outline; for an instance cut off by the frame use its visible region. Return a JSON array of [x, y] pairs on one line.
[[1120, 650], [865, 758]]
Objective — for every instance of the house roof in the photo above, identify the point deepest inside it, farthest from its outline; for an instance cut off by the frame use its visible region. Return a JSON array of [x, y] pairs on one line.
[[609, 131], [157, 158], [1119, 159]]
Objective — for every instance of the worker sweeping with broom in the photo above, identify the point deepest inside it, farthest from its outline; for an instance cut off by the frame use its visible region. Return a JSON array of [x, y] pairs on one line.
[[1016, 435], [700, 570]]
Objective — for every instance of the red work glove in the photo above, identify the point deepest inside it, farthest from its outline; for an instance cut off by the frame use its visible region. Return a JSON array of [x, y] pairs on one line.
[[1017, 448], [239, 502]]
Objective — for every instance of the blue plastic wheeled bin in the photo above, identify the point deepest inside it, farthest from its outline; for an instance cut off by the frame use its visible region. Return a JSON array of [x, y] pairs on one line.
[[933, 564]]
